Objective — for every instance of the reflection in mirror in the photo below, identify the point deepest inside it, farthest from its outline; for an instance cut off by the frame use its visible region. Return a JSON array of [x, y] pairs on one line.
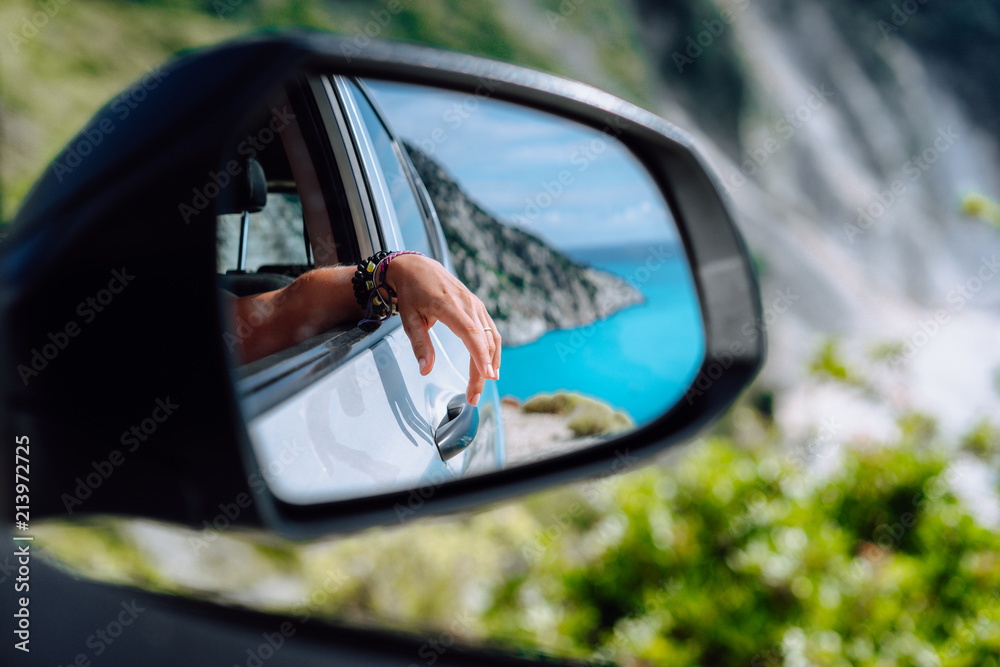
[[564, 236], [556, 227]]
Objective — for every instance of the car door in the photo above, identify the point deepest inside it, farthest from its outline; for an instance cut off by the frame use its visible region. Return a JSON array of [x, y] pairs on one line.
[[361, 419]]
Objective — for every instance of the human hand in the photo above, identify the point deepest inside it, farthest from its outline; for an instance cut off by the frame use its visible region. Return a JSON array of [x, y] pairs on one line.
[[426, 293]]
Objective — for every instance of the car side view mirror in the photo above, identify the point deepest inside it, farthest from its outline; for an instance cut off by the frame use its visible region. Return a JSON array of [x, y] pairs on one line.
[[594, 232]]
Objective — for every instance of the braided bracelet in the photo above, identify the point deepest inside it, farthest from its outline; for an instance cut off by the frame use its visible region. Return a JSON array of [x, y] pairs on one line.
[[370, 288]]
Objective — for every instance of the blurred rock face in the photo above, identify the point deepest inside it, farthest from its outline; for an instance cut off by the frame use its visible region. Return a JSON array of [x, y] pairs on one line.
[[847, 136]]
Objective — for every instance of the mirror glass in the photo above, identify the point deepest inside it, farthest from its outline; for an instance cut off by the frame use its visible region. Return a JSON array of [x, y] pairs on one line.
[[564, 236]]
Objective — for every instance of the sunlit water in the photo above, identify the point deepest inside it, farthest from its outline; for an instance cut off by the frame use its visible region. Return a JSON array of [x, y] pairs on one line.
[[640, 360]]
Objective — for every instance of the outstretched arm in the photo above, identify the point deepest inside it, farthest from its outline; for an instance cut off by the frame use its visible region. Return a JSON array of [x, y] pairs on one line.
[[323, 298], [315, 302]]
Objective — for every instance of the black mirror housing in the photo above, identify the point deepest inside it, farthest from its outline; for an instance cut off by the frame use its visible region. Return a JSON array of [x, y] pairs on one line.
[[111, 329]]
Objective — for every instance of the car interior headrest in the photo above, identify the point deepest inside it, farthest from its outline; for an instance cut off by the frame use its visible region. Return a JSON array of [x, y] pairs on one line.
[[246, 190]]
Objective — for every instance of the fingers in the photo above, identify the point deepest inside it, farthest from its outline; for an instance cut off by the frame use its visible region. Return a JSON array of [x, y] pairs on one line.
[[471, 333], [427, 293], [420, 339], [493, 342], [476, 384], [491, 337]]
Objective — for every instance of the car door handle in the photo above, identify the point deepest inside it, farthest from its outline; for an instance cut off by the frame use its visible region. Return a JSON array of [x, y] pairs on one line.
[[457, 429]]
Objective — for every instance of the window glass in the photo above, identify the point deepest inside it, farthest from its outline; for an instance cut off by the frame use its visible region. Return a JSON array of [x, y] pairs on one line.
[[275, 236], [404, 201]]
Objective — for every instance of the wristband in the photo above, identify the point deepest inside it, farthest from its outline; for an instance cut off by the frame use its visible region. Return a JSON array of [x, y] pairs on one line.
[[372, 291]]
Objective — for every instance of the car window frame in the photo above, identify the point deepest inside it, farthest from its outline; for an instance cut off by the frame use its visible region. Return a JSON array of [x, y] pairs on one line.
[[346, 163], [385, 212], [265, 383], [382, 199]]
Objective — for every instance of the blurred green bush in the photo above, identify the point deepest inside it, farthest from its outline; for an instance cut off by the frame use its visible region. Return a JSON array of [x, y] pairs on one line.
[[736, 557], [729, 554], [584, 415]]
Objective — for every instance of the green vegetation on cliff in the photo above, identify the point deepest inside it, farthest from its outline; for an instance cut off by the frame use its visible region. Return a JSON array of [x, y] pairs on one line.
[[61, 61]]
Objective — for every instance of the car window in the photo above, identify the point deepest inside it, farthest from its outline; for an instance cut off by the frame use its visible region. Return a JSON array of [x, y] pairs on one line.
[[275, 235], [395, 177]]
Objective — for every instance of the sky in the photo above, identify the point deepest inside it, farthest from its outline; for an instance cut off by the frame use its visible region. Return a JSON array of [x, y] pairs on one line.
[[565, 182]]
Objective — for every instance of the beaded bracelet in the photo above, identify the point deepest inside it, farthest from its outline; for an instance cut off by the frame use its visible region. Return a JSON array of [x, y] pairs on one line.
[[370, 288]]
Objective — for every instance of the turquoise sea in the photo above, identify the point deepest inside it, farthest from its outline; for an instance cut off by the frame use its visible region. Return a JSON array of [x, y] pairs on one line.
[[641, 359]]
